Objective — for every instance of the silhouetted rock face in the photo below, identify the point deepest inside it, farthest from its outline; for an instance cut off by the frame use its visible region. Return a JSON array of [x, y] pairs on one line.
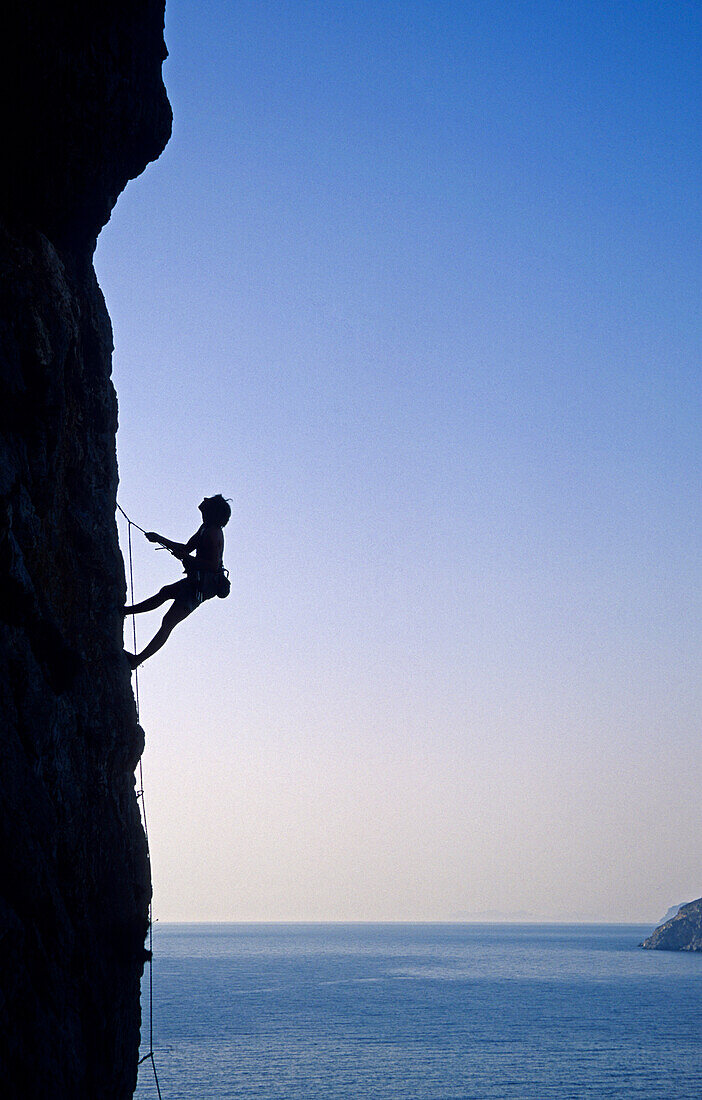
[[682, 933], [88, 111], [83, 108]]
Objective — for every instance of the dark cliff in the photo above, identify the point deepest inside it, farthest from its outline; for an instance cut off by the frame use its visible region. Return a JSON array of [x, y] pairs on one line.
[[682, 933], [83, 111]]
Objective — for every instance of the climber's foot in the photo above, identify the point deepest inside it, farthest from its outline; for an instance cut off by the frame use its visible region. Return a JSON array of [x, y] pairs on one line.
[[132, 660]]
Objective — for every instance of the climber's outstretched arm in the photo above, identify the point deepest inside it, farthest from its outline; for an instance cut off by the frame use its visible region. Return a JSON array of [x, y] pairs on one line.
[[178, 549]]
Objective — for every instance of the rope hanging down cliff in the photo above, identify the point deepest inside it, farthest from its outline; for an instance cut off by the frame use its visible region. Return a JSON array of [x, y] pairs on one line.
[[149, 1056]]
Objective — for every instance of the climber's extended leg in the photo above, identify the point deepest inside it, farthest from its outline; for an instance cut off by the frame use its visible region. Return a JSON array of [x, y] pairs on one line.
[[169, 592], [173, 616]]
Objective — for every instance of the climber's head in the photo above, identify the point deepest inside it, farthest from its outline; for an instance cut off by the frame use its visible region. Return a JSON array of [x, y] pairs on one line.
[[216, 510]]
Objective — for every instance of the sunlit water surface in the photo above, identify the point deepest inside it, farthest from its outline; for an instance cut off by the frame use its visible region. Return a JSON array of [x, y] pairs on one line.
[[421, 1011]]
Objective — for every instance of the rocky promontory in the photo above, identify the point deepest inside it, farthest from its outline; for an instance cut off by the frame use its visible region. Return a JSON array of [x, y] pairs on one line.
[[83, 110], [682, 933]]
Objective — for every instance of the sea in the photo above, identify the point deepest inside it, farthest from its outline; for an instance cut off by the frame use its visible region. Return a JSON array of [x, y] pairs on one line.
[[419, 1012]]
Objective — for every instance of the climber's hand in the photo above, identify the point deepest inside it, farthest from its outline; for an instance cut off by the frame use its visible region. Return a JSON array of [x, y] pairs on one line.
[[152, 536]]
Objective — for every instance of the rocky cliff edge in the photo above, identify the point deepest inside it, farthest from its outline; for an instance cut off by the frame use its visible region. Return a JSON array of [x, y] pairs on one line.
[[83, 111]]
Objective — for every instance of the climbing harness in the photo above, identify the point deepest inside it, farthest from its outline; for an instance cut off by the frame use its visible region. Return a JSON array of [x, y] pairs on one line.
[[149, 1056]]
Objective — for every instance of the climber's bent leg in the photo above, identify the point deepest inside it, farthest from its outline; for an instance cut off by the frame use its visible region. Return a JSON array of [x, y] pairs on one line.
[[169, 592], [173, 616]]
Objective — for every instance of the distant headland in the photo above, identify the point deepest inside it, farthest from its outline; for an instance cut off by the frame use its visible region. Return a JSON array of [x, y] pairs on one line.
[[683, 932]]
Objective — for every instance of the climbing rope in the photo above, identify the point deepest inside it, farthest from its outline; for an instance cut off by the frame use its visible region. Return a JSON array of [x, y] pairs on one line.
[[149, 1056], [131, 524]]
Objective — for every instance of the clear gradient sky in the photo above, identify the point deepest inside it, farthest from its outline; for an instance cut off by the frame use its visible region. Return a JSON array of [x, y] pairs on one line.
[[417, 284]]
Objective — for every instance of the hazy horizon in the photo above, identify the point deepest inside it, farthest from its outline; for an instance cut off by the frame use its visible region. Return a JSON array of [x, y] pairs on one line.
[[417, 285], [448, 921]]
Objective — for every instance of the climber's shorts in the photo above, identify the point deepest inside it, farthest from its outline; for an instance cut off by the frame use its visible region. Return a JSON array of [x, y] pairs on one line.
[[195, 589]]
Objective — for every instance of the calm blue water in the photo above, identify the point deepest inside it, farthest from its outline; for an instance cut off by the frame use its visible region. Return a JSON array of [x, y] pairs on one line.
[[423, 1012]]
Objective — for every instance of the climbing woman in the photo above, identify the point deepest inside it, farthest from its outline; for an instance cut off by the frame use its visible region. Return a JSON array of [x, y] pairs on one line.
[[205, 575]]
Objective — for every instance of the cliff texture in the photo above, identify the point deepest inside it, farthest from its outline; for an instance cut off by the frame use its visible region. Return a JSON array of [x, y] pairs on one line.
[[84, 110], [682, 933]]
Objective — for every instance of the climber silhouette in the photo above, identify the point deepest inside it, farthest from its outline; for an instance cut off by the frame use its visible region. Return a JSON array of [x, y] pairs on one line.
[[205, 574]]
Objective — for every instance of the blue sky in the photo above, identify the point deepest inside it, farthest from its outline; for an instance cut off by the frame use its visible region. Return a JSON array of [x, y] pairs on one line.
[[418, 285]]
